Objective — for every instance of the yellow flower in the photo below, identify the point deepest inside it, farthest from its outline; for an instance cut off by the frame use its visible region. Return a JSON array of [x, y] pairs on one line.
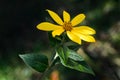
[[74, 32]]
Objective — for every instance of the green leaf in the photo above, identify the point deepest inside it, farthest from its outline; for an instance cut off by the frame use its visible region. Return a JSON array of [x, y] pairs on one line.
[[75, 56], [36, 61], [73, 61], [62, 54], [79, 66]]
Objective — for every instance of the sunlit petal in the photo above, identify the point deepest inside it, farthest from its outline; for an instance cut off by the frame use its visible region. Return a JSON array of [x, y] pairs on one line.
[[55, 17], [66, 16], [87, 38], [46, 26], [85, 30], [57, 32], [78, 19], [73, 37]]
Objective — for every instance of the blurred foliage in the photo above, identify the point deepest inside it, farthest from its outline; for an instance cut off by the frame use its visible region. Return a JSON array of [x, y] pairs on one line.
[[17, 73], [18, 34]]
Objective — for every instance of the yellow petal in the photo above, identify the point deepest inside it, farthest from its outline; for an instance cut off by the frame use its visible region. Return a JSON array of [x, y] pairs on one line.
[[46, 26], [85, 30], [87, 38], [78, 19], [57, 32], [55, 17], [74, 37], [66, 16]]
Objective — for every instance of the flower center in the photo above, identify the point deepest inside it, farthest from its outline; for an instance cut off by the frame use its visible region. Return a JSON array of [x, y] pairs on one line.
[[67, 26]]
